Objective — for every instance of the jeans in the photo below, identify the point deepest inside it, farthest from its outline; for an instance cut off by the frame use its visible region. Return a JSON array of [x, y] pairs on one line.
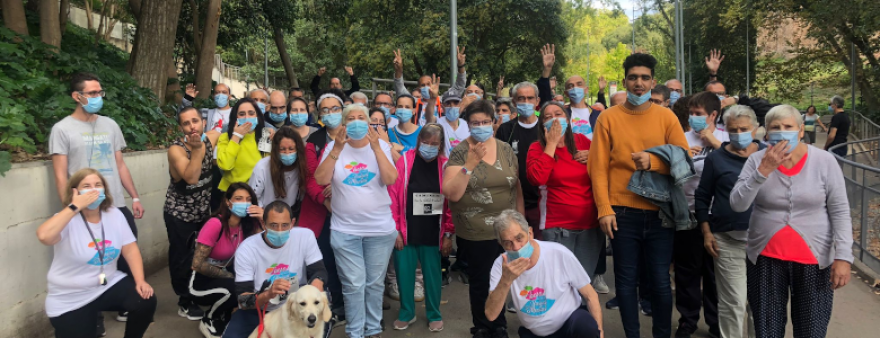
[[361, 262], [580, 324], [730, 278], [179, 255], [337, 305], [694, 281], [122, 296], [481, 257], [242, 324], [641, 232], [582, 243]]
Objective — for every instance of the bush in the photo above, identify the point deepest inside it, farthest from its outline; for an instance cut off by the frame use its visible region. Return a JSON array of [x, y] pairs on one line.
[[33, 94]]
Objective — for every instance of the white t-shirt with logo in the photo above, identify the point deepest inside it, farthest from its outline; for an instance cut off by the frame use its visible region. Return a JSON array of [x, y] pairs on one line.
[[361, 204], [693, 138], [256, 261], [547, 294], [453, 136], [76, 265], [580, 122]]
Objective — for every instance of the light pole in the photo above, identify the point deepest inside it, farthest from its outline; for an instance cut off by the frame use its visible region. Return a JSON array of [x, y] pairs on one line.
[[453, 39], [634, 27]]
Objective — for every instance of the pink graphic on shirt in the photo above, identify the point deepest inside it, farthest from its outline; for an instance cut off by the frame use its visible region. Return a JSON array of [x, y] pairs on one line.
[[359, 176], [454, 142]]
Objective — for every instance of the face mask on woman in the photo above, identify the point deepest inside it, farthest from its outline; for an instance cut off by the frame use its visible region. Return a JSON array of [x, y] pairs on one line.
[[428, 151], [288, 159], [403, 114], [299, 119], [252, 120], [482, 133], [741, 140], [775, 137], [240, 208], [96, 203], [562, 122], [332, 120], [357, 129]]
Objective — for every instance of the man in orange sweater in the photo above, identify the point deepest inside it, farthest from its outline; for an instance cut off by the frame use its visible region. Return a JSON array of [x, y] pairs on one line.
[[620, 138]]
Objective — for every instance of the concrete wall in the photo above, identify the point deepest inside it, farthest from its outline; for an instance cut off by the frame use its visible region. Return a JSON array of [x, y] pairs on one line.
[[79, 17], [28, 198]]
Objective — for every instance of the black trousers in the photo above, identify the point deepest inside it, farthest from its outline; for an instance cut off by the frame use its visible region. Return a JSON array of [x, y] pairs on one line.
[[122, 296], [216, 193], [694, 280], [218, 293], [122, 265], [481, 256], [769, 283], [179, 255], [333, 285]]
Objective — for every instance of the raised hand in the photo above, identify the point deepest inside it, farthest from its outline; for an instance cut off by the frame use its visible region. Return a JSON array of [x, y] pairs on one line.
[[548, 55], [510, 271], [191, 90], [773, 158], [374, 137], [461, 58], [713, 62], [349, 71], [435, 87], [398, 63], [83, 200], [322, 71], [554, 134], [255, 211], [242, 128], [500, 86], [602, 83], [475, 154]]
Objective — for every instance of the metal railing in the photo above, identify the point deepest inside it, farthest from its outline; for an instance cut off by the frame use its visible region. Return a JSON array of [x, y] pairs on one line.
[[862, 177], [376, 81]]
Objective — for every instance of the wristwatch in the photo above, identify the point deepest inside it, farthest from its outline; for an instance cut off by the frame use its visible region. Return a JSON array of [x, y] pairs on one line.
[[447, 235], [72, 207], [466, 171]]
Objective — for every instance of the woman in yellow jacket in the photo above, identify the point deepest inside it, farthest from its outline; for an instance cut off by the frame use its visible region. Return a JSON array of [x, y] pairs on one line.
[[237, 151]]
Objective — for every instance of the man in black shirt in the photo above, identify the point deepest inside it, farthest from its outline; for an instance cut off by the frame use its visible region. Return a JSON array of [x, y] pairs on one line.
[[838, 131]]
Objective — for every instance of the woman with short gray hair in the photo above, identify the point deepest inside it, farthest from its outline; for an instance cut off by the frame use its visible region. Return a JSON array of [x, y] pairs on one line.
[[800, 230]]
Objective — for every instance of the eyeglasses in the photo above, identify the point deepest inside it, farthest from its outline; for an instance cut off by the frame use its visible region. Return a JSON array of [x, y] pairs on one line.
[[376, 126], [383, 104], [98, 93], [480, 123], [329, 110]]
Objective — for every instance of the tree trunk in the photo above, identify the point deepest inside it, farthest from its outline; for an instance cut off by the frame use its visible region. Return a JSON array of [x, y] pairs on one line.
[[89, 23], [65, 13], [205, 66], [50, 29], [103, 18], [154, 41], [278, 35], [196, 26], [13, 16], [135, 7]]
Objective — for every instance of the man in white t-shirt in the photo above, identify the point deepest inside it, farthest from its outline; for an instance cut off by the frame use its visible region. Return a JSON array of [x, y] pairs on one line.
[[215, 118], [582, 117], [271, 265], [454, 128], [547, 284]]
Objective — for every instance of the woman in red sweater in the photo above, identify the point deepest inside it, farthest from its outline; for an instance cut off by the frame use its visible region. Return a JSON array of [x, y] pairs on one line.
[[557, 164]]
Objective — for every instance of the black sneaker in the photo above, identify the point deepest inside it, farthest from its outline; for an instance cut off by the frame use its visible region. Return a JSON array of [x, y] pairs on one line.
[[212, 328], [500, 333], [463, 278], [481, 333], [337, 320], [122, 316], [101, 331], [714, 332], [191, 311], [684, 331], [645, 306], [612, 304]]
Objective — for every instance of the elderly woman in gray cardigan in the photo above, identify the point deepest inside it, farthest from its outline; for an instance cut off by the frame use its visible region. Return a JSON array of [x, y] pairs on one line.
[[800, 231]]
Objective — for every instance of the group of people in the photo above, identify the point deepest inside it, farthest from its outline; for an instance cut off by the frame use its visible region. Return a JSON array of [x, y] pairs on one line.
[[267, 194]]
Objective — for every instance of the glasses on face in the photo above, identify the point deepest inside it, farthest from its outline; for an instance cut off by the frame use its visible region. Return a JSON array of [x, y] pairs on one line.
[[676, 90], [383, 104], [376, 126], [480, 123], [329, 110], [97, 93], [635, 77]]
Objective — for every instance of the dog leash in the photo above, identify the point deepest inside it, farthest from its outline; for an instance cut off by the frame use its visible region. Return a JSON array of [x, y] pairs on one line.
[[261, 312]]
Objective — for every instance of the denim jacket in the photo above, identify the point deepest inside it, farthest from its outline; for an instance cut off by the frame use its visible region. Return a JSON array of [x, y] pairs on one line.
[[667, 192]]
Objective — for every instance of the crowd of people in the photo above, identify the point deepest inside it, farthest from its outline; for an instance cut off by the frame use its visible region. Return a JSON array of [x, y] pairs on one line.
[[363, 198]]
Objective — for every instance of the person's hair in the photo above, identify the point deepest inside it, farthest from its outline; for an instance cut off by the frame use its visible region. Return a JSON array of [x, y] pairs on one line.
[[380, 111], [639, 60], [352, 107], [680, 108], [186, 110], [670, 80], [783, 111], [383, 93], [276, 168], [507, 219], [738, 111], [77, 81], [567, 133], [711, 83], [838, 101], [233, 117], [77, 178], [811, 107], [662, 90], [295, 99], [258, 90], [518, 86], [277, 206], [294, 89], [431, 130], [706, 100], [478, 107], [249, 225], [479, 85], [325, 96], [359, 95]]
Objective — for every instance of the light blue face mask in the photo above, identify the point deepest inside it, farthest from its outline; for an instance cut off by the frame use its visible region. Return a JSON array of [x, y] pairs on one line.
[[252, 120], [240, 209], [563, 122], [720, 97], [221, 100], [386, 111], [698, 123], [576, 95], [94, 105], [299, 119], [288, 159], [775, 137], [332, 120], [277, 238], [525, 109], [97, 203], [262, 107], [357, 129], [638, 100], [524, 252], [426, 93], [741, 140], [482, 133], [673, 97], [451, 114], [505, 118], [278, 117], [404, 115], [830, 110], [428, 152], [478, 96]]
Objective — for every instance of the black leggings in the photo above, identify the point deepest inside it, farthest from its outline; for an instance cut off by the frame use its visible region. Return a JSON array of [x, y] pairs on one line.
[[218, 293], [122, 296]]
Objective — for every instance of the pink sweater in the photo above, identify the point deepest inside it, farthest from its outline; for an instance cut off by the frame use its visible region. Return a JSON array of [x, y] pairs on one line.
[[398, 193]]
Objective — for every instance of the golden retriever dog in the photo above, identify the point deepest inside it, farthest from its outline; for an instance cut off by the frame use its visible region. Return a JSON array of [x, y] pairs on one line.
[[302, 316]]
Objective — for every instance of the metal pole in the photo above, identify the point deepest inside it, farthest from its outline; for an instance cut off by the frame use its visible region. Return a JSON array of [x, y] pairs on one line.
[[691, 74], [589, 97], [748, 84], [811, 92], [247, 85], [453, 39], [634, 27], [852, 60], [677, 41], [266, 62], [684, 65]]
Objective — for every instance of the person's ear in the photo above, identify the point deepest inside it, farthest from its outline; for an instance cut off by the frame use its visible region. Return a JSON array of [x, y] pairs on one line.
[[76, 98]]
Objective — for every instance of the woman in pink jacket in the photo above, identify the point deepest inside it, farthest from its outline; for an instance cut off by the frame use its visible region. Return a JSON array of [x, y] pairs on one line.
[[417, 205]]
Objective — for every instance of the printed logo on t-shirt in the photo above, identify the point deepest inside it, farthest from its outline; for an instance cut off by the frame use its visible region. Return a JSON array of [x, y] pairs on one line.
[[454, 142], [110, 253], [581, 126], [537, 304], [99, 151], [359, 176], [280, 270]]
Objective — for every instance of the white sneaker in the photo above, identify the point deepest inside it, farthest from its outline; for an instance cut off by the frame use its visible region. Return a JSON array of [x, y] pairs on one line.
[[392, 291], [600, 285], [419, 293]]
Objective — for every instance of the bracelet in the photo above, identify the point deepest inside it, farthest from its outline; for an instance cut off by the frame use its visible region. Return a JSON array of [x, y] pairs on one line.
[[462, 65], [237, 134], [334, 157], [135, 200]]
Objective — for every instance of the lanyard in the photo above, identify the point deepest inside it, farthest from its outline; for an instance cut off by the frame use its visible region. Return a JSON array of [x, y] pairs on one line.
[[98, 246]]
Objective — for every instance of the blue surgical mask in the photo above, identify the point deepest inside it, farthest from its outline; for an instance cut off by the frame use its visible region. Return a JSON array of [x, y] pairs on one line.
[[775, 137], [562, 122], [576, 95], [299, 119], [262, 107], [426, 92], [240, 209], [97, 202], [638, 100], [451, 114], [478, 96], [505, 118], [278, 117], [332, 120], [288, 159], [94, 105], [428, 151], [221, 100], [830, 110], [673, 96], [386, 111], [741, 140], [252, 120], [403, 114], [482, 133], [357, 129], [524, 252], [525, 109], [720, 97], [277, 238], [698, 123]]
